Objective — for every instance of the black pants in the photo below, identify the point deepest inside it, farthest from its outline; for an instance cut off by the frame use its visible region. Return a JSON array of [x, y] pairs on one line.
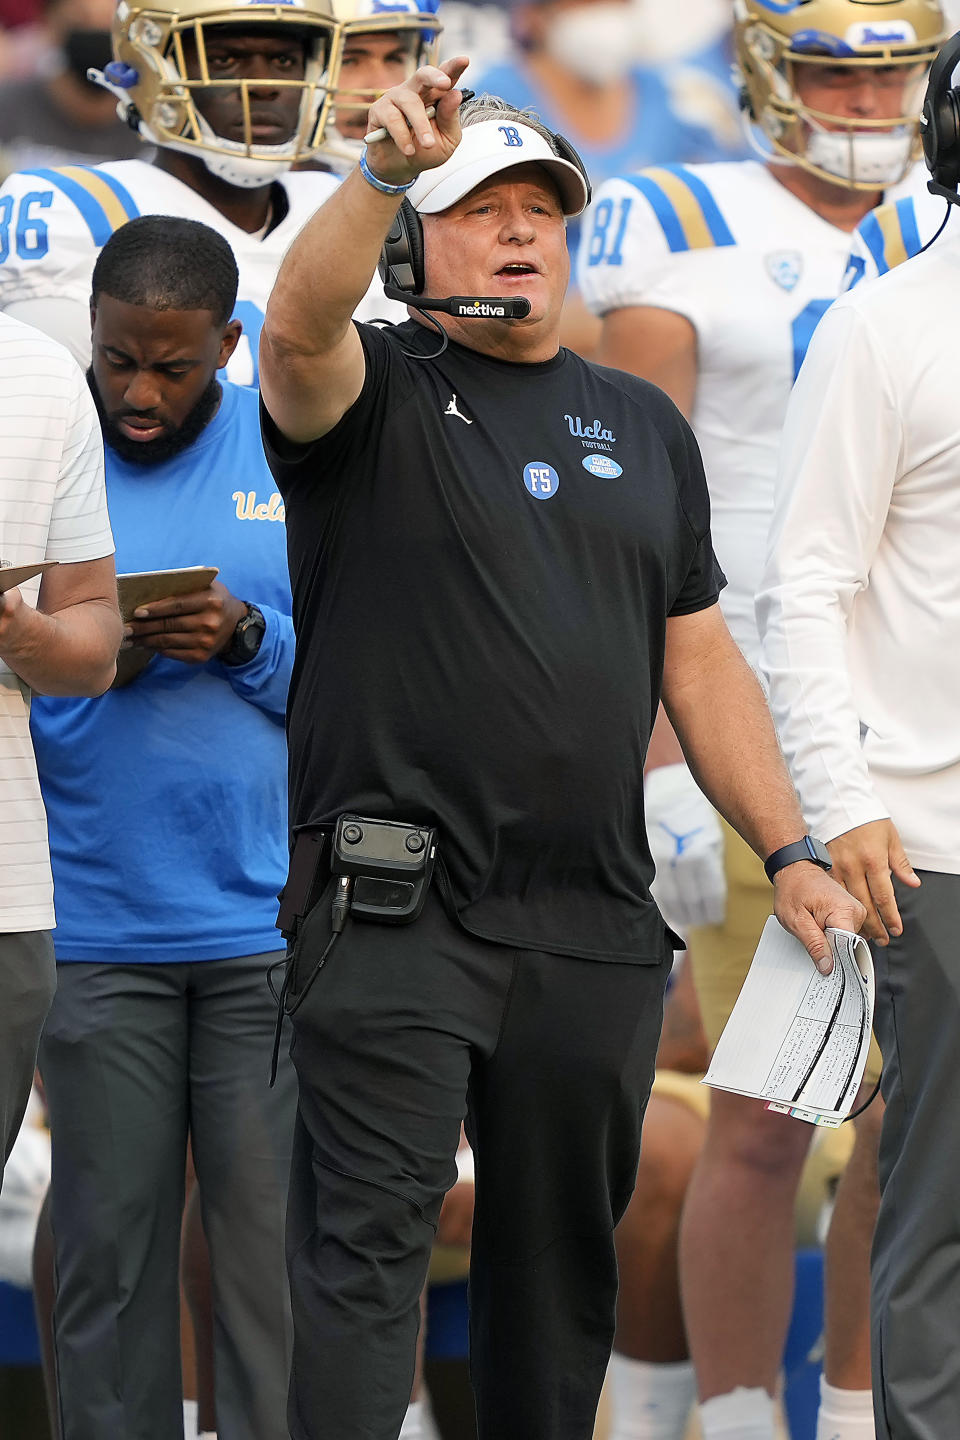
[[916, 1250], [405, 1030]]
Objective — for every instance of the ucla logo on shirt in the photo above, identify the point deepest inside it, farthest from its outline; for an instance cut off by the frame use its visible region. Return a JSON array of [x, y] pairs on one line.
[[511, 135], [592, 434], [541, 479], [249, 508], [785, 268], [602, 466]]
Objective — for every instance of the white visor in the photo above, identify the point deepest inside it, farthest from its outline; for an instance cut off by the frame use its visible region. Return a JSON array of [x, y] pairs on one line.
[[485, 149]]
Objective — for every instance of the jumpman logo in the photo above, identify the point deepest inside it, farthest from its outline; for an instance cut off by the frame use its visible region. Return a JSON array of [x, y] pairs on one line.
[[452, 410], [681, 840]]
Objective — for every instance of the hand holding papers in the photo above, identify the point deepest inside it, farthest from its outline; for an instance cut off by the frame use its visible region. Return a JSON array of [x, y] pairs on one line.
[[140, 587], [796, 1038]]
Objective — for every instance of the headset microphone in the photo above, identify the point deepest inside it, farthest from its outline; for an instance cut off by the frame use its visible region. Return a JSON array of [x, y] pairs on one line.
[[465, 307]]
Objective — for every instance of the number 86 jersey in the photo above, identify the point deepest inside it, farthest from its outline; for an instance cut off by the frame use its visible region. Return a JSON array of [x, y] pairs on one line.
[[753, 269]]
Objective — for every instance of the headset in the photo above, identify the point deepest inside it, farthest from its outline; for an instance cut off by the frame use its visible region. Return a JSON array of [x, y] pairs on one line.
[[401, 260], [940, 126]]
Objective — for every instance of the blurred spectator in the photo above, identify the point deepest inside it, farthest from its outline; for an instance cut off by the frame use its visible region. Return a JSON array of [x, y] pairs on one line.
[[22, 36], [57, 117], [697, 30], [481, 31], [580, 64]]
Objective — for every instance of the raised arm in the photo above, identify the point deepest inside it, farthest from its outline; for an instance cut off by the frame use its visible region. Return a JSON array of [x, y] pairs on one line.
[[311, 359]]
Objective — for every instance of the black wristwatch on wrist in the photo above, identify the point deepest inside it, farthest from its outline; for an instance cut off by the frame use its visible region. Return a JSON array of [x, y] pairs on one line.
[[246, 639], [805, 849]]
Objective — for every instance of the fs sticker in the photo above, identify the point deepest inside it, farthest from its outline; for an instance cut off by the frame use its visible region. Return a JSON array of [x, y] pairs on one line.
[[541, 479], [602, 466]]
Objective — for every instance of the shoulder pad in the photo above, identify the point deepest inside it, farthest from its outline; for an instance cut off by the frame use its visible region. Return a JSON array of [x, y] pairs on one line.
[[689, 216], [891, 234]]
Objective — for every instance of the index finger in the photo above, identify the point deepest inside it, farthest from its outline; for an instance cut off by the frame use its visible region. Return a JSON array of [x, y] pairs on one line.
[[174, 605], [454, 68], [441, 77]]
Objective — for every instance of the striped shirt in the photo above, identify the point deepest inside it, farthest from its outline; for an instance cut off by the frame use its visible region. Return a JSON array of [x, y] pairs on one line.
[[52, 507]]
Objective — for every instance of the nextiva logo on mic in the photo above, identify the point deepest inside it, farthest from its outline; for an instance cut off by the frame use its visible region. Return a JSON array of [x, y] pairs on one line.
[[479, 307]]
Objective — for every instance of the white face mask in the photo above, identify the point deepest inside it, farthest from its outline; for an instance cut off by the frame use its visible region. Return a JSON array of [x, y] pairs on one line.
[[866, 158], [597, 42], [661, 37]]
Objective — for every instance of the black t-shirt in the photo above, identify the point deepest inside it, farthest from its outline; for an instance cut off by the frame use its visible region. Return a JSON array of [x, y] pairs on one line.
[[483, 557]]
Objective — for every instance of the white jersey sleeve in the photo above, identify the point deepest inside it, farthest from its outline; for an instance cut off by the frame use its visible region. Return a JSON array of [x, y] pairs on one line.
[[53, 224], [636, 235]]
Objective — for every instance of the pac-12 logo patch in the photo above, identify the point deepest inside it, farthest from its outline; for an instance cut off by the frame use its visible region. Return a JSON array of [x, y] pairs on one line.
[[602, 466], [785, 267], [541, 479]]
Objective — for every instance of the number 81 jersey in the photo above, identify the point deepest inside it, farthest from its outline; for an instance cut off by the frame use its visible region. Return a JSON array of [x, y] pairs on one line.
[[753, 269]]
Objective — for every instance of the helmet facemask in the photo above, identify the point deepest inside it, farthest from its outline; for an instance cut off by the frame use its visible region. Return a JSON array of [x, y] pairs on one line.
[[162, 75], [866, 152], [417, 34]]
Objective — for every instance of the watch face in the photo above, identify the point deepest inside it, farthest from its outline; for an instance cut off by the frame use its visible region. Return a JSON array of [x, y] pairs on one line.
[[248, 641], [247, 638]]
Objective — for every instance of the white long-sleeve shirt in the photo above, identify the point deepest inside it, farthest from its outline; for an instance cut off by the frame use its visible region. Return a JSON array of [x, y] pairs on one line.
[[859, 606]]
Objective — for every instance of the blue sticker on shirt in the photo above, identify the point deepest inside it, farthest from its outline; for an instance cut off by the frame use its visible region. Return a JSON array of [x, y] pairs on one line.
[[602, 466], [541, 479]]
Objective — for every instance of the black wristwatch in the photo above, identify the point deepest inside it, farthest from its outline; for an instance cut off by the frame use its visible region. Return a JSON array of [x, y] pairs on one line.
[[805, 849], [246, 639]]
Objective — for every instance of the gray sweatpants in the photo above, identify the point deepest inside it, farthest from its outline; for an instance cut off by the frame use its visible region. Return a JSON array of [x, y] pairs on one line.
[[28, 978], [916, 1254], [133, 1058]]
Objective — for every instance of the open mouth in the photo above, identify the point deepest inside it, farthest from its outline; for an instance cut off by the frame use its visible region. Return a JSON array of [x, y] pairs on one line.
[[517, 270]]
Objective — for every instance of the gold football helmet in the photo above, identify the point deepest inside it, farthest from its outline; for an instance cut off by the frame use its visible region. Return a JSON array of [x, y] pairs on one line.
[[895, 40], [415, 29], [160, 75]]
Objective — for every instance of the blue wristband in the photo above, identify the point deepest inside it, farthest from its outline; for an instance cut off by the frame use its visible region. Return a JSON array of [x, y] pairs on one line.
[[378, 184]]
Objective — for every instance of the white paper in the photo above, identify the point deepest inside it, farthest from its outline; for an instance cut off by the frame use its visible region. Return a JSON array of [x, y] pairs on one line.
[[796, 1038]]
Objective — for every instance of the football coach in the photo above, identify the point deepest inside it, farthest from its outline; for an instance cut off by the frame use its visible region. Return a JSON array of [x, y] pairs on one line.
[[500, 558]]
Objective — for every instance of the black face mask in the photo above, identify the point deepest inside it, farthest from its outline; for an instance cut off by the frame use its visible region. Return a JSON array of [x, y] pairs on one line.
[[86, 50]]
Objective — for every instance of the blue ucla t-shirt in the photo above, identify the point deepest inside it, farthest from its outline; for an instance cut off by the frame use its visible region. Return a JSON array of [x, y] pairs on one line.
[[166, 799]]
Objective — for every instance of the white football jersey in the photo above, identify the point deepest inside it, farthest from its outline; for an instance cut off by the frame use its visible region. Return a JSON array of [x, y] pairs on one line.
[[753, 269], [53, 224]]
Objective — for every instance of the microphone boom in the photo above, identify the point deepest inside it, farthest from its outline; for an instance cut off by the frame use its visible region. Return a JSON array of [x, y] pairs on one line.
[[465, 307]]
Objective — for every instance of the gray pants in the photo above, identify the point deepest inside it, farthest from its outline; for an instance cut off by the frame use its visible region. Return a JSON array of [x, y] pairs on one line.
[[916, 1255], [28, 979], [135, 1057]]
